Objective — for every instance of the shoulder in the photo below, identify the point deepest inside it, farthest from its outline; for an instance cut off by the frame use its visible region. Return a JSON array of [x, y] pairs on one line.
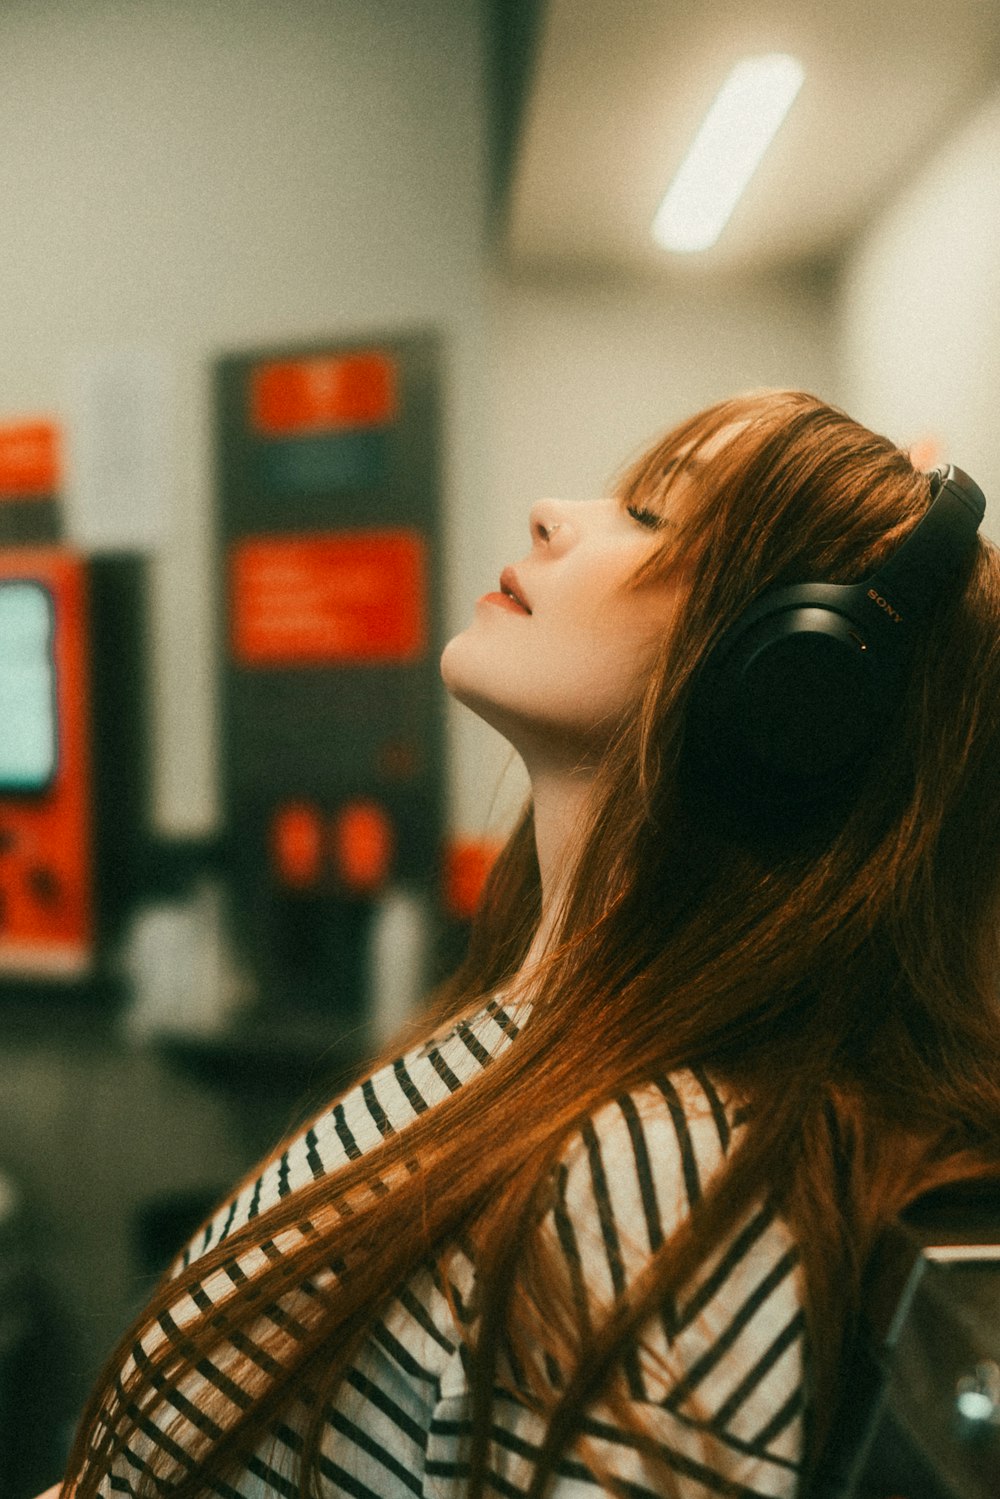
[[632, 1172], [628, 1179]]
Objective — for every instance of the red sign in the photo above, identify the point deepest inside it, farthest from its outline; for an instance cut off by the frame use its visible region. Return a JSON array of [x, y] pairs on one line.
[[331, 393], [350, 597], [29, 460]]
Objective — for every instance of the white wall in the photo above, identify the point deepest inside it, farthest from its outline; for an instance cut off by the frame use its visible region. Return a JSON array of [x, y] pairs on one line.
[[587, 371], [920, 309], [198, 176], [584, 372]]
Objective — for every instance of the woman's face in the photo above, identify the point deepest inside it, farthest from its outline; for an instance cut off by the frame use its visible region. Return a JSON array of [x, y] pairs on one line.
[[554, 667]]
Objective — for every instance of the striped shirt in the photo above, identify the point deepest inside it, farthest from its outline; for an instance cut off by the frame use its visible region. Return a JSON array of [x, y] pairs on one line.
[[716, 1380]]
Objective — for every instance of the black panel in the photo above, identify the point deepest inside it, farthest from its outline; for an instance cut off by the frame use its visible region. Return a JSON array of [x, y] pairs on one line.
[[119, 649], [322, 732]]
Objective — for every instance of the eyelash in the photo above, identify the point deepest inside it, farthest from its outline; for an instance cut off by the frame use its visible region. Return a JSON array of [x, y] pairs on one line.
[[644, 517]]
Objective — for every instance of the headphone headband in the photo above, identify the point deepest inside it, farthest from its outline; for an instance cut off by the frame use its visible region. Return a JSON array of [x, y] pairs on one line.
[[911, 579]]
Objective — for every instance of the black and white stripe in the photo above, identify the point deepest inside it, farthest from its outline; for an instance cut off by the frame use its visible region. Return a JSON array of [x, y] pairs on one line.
[[715, 1381]]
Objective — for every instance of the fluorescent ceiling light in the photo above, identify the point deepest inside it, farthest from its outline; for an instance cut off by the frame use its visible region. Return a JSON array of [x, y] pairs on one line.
[[725, 153]]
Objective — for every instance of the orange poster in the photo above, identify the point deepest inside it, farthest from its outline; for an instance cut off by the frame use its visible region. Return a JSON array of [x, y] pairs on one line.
[[29, 460], [330, 393], [335, 599]]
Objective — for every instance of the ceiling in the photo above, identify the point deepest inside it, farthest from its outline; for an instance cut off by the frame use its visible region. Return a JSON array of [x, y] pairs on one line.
[[614, 91]]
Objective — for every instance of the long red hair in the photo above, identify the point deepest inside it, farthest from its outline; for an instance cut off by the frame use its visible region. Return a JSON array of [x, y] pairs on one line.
[[843, 979]]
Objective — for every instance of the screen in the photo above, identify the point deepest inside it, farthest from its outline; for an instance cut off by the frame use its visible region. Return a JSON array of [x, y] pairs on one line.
[[27, 688]]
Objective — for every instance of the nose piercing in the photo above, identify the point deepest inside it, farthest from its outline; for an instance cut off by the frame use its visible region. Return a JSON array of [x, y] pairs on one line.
[[551, 530]]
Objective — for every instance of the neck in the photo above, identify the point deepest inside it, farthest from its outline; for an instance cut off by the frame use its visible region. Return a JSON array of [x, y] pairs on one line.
[[560, 797]]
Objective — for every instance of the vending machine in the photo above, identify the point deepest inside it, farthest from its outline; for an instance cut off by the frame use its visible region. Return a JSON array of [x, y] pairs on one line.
[[73, 768], [46, 862], [329, 538]]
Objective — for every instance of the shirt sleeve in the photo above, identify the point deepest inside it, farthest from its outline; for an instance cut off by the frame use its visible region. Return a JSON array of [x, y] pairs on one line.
[[713, 1381]]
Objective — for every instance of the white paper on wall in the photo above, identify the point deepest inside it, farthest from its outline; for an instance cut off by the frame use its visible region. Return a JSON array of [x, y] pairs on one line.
[[118, 439]]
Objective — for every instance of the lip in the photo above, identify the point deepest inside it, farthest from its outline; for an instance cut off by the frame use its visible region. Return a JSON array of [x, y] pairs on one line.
[[504, 601], [509, 585]]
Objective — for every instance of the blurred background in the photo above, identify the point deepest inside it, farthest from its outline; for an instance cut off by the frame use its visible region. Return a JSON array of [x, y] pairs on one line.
[[301, 308]]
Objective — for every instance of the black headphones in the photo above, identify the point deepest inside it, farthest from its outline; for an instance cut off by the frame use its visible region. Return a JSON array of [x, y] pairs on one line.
[[798, 690]]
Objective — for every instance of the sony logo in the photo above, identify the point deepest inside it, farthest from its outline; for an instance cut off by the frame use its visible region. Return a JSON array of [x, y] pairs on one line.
[[885, 606]]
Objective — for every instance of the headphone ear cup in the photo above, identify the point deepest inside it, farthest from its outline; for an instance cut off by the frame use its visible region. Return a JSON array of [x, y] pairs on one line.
[[787, 711], [788, 700]]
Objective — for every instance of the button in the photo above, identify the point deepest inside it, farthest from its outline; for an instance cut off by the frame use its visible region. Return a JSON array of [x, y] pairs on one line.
[[297, 844], [363, 845]]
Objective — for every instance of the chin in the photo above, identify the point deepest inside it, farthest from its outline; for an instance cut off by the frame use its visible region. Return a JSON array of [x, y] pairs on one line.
[[465, 684], [451, 665], [459, 675]]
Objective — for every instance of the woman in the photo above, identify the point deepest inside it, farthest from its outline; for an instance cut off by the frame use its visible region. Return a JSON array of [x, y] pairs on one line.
[[603, 1228]]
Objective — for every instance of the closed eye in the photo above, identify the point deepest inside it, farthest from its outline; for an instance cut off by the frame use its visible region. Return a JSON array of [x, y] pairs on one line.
[[647, 518]]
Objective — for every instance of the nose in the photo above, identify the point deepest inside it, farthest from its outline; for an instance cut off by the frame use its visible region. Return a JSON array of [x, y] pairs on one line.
[[545, 520]]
